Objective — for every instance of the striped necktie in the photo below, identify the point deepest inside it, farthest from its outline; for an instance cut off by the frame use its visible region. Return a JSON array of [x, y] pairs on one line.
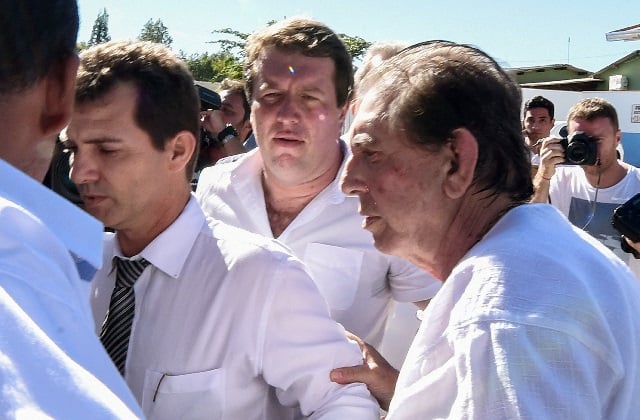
[[117, 323]]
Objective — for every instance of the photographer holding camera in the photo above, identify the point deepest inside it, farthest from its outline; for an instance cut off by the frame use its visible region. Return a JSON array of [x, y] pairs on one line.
[[581, 175], [224, 130]]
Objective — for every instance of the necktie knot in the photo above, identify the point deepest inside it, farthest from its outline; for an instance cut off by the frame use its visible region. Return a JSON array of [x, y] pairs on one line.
[[128, 271]]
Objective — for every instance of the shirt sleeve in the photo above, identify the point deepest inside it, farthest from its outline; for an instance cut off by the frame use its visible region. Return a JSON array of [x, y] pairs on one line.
[[301, 346], [410, 283]]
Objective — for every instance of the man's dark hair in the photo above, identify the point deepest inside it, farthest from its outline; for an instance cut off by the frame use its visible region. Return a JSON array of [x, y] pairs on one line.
[[35, 35], [167, 100], [305, 36], [434, 88], [539, 102], [237, 87]]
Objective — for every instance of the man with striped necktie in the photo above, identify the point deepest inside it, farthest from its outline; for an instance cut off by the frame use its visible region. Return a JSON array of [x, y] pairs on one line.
[[203, 320]]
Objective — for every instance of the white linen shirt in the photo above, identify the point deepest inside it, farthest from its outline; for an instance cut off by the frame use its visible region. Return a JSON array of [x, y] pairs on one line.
[[358, 281], [228, 325], [51, 363], [538, 321]]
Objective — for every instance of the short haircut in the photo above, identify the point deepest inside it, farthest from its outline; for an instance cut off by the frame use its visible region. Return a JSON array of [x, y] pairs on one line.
[[592, 108], [373, 57], [237, 87], [167, 101], [539, 102], [436, 87], [305, 36], [35, 36]]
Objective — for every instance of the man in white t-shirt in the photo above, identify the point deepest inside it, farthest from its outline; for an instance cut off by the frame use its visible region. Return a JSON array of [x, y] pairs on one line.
[[535, 319], [299, 77], [588, 194]]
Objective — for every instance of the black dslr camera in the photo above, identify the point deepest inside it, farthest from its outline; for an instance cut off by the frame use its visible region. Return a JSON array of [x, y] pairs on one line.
[[626, 218], [579, 148]]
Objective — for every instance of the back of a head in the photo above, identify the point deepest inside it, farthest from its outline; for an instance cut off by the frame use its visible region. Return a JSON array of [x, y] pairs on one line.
[[375, 55], [36, 35], [592, 108], [167, 101], [434, 88], [540, 102], [307, 37]]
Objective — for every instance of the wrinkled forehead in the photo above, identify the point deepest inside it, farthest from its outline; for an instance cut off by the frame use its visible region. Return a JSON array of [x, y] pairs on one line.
[[372, 113]]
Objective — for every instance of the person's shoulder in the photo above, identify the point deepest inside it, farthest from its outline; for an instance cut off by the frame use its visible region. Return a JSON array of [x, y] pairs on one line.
[[219, 173], [633, 170], [245, 244]]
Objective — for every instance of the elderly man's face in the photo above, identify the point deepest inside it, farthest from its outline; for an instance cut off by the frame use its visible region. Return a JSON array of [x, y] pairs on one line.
[[398, 183]]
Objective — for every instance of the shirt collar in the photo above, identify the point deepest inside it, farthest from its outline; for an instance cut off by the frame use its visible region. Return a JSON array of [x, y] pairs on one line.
[[76, 229], [249, 167], [169, 251]]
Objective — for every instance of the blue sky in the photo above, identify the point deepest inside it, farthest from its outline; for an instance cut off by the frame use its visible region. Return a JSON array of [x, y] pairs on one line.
[[517, 34]]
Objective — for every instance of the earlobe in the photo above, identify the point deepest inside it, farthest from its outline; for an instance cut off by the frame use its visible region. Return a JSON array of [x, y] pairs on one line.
[[464, 156], [59, 96]]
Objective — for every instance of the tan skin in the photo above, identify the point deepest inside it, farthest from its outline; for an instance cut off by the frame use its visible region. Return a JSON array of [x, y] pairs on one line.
[[399, 183], [537, 125], [123, 180], [297, 123], [32, 118]]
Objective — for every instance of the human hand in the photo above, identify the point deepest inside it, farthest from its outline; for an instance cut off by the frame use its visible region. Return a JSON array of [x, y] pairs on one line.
[[551, 154], [212, 121], [379, 376]]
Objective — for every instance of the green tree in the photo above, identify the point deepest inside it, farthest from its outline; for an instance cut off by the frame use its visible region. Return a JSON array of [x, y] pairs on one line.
[[214, 67], [354, 44], [100, 31], [155, 32]]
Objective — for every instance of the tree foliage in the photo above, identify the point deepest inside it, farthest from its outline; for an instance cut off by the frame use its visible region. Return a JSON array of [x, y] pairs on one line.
[[214, 67], [155, 32], [100, 31], [354, 44]]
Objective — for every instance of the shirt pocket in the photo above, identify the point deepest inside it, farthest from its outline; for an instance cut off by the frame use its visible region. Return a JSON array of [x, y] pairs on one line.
[[197, 395], [336, 273]]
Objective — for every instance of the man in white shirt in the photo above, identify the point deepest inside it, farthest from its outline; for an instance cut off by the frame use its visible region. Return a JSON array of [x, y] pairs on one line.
[[51, 363], [535, 319], [537, 123], [588, 194], [227, 324], [299, 78]]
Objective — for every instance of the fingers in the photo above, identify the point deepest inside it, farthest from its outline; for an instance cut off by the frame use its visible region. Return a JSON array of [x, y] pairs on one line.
[[348, 375]]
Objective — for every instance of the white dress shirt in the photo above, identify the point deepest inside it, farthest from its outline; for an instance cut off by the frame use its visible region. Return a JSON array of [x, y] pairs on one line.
[[538, 321], [358, 282], [228, 325], [51, 363]]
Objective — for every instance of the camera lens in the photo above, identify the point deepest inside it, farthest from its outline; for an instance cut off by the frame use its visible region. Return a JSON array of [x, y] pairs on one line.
[[577, 152]]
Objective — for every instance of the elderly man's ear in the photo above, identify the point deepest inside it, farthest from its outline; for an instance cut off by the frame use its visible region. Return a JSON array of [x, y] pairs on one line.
[[59, 95], [463, 156]]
